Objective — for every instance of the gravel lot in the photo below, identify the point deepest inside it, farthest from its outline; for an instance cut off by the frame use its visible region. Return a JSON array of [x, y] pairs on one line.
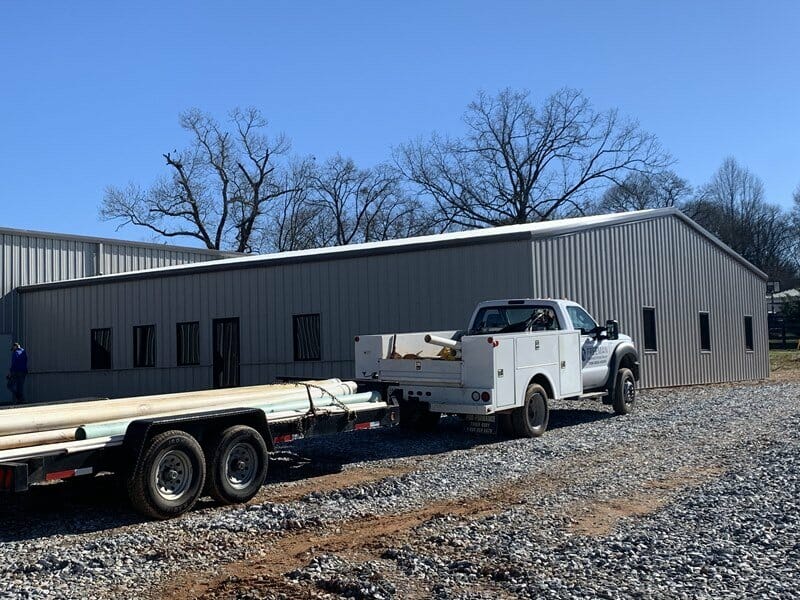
[[695, 495]]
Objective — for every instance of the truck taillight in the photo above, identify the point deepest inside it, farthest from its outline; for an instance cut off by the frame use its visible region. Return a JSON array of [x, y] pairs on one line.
[[486, 396]]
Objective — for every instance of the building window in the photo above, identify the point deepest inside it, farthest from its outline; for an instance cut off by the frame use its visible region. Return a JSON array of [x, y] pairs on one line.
[[144, 346], [649, 320], [188, 339], [306, 337], [101, 348], [748, 333], [705, 332]]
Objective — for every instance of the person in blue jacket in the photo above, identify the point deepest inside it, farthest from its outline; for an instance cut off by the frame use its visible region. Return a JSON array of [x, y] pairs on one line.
[[17, 373]]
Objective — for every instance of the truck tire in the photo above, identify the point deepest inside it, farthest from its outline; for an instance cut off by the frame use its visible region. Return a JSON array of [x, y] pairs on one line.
[[169, 476], [624, 394], [417, 417], [237, 465], [531, 419]]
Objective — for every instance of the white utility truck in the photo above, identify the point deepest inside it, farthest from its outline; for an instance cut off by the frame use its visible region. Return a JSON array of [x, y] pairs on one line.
[[500, 373]]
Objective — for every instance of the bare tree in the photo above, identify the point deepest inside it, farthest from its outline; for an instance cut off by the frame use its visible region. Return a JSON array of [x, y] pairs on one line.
[[216, 190], [519, 162], [733, 207], [640, 191]]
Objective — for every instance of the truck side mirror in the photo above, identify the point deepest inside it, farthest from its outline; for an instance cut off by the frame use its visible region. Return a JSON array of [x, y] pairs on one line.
[[612, 329]]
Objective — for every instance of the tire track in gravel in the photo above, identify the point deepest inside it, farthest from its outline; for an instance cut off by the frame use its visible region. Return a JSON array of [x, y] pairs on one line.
[[359, 537], [364, 538]]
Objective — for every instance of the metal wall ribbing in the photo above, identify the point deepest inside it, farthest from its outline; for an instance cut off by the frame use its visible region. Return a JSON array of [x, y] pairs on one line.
[[395, 292], [28, 257], [662, 263]]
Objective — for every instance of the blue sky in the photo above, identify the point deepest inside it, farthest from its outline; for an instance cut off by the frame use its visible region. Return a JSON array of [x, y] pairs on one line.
[[92, 90]]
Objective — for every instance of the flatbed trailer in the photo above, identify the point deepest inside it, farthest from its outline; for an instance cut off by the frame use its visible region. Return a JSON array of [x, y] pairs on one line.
[[168, 462]]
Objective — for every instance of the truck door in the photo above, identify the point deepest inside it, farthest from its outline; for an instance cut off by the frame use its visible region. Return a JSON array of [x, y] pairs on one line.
[[595, 353]]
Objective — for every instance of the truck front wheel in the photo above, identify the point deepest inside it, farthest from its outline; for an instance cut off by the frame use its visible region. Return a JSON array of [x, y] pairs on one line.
[[624, 395], [168, 478], [531, 419], [237, 465]]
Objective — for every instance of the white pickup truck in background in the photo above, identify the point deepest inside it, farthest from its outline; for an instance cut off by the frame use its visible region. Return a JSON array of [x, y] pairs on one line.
[[515, 356]]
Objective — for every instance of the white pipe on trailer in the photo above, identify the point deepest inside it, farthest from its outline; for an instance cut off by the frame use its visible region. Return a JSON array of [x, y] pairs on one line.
[[25, 440], [300, 406], [117, 440], [35, 419]]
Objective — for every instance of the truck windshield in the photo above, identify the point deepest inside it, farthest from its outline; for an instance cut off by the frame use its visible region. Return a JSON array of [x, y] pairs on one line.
[[508, 319]]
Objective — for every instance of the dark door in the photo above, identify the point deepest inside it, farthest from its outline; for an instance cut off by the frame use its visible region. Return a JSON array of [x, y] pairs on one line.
[[226, 353]]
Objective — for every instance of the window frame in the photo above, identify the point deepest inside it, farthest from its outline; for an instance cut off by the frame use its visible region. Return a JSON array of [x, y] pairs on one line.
[[654, 349], [295, 331], [748, 321], [707, 315], [178, 345], [135, 348], [109, 350]]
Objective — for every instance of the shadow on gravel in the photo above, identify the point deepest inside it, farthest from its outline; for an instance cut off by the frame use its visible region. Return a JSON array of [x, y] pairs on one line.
[[571, 416], [65, 508]]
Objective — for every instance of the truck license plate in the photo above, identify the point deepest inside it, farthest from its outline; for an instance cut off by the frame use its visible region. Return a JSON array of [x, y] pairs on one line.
[[482, 424]]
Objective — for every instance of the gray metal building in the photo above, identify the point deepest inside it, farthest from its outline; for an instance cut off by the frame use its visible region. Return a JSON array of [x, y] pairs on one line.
[[31, 257], [694, 307]]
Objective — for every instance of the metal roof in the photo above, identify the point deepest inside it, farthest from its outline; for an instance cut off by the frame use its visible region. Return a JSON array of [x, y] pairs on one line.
[[102, 240], [527, 231]]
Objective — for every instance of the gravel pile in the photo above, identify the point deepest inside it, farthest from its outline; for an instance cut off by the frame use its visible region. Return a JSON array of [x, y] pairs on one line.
[[694, 495]]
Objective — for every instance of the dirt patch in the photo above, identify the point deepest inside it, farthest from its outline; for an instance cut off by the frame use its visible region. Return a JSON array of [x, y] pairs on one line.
[[363, 538], [599, 518]]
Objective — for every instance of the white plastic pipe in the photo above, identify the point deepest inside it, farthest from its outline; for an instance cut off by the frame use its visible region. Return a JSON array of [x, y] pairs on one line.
[[440, 341], [301, 406], [33, 419], [24, 440]]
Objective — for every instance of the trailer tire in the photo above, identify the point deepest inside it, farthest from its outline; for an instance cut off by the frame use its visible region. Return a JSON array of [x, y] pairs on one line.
[[531, 419], [624, 394], [237, 465], [168, 477]]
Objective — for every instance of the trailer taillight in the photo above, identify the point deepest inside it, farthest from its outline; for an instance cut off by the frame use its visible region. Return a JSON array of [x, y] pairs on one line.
[[6, 479], [13, 477]]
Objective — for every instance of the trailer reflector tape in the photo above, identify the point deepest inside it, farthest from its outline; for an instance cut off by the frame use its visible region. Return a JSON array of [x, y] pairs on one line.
[[289, 437], [370, 425], [67, 474]]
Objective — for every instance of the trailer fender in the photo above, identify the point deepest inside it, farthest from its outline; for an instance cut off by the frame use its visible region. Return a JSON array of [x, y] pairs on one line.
[[202, 426]]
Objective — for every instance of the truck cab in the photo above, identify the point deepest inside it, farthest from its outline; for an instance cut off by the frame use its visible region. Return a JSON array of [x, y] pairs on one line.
[[598, 344]]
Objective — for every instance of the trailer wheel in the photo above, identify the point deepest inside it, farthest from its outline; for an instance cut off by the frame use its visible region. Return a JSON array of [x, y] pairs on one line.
[[531, 419], [237, 465], [624, 400], [169, 477]]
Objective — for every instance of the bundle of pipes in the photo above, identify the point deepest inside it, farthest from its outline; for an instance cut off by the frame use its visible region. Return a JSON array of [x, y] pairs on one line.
[[34, 425]]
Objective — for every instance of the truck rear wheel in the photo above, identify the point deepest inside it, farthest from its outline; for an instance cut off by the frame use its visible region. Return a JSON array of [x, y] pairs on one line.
[[624, 400], [168, 478], [531, 419], [237, 465]]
